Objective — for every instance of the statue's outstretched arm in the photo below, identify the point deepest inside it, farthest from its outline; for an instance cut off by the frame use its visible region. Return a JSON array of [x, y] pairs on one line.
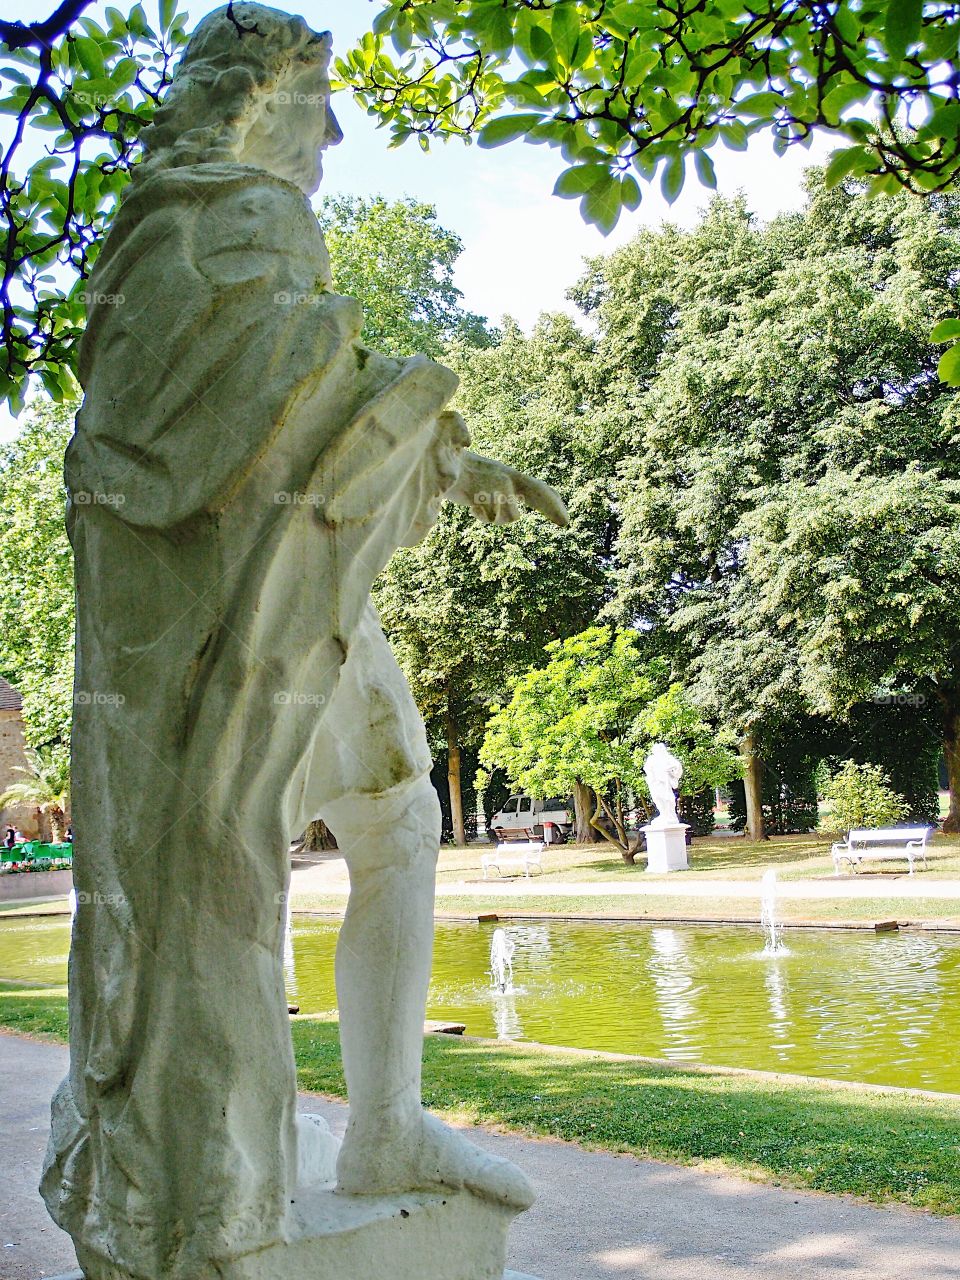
[[495, 492]]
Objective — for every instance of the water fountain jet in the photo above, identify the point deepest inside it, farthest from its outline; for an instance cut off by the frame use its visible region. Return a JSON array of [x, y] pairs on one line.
[[501, 961], [771, 926]]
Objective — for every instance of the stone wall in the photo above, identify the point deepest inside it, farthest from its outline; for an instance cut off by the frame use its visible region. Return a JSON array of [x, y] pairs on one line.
[[35, 884], [13, 756]]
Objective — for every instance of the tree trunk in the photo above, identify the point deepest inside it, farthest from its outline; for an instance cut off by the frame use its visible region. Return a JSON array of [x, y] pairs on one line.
[[581, 809], [755, 829], [951, 750], [453, 779], [58, 825], [318, 837], [627, 853]]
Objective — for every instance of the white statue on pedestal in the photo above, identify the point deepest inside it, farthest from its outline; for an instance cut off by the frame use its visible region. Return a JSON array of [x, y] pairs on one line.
[[663, 772], [242, 470]]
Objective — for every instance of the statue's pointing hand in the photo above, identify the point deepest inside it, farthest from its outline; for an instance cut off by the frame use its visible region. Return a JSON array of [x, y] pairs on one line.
[[496, 493]]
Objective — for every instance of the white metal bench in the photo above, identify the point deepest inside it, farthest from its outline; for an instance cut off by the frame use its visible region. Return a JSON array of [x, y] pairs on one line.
[[514, 854], [886, 842]]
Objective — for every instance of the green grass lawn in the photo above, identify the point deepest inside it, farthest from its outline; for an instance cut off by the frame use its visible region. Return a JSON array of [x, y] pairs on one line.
[[882, 1145], [711, 858]]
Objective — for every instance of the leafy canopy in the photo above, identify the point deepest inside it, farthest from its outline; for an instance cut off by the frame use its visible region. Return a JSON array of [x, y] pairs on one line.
[[591, 714], [396, 258], [626, 90], [79, 92], [631, 88]]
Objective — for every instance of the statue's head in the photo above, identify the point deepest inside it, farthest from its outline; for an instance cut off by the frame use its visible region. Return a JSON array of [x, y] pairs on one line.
[[252, 88]]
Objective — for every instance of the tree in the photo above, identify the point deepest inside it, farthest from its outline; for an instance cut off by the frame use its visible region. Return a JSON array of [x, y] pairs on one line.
[[589, 717], [626, 89], [46, 787], [862, 569], [399, 261], [765, 364], [86, 91], [475, 604], [36, 574]]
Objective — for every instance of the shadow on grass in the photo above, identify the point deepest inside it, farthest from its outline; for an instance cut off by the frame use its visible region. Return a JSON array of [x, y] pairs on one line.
[[883, 1146]]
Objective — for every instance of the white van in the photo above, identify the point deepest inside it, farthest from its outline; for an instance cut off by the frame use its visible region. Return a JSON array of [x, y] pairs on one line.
[[549, 820]]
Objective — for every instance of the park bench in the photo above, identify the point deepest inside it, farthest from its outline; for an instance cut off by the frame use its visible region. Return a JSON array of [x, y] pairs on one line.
[[884, 843], [514, 854]]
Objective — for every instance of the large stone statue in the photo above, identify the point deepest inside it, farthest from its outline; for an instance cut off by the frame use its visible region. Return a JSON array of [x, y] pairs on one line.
[[242, 470], [663, 772], [666, 836]]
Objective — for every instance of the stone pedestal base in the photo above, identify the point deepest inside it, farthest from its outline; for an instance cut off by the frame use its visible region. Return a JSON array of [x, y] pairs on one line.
[[417, 1236], [666, 847]]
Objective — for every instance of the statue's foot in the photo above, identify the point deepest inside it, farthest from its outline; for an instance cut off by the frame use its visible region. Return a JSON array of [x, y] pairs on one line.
[[317, 1151], [426, 1154]]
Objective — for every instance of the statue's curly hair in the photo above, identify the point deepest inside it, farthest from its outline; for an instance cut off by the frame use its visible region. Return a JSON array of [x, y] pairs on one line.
[[237, 57]]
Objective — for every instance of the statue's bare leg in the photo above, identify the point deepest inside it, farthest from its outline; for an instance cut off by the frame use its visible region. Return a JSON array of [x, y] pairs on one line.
[[390, 843]]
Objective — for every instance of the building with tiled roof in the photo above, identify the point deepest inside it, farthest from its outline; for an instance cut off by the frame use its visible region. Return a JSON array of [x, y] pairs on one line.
[[10, 699]]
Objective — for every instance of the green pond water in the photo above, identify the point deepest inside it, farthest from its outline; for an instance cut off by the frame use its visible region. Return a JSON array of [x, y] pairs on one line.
[[847, 1005]]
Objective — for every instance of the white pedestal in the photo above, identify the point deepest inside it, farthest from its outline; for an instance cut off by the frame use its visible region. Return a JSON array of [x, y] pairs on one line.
[[420, 1235], [666, 847]]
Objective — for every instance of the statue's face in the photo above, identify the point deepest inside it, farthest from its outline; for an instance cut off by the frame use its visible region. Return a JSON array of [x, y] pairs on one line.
[[295, 127]]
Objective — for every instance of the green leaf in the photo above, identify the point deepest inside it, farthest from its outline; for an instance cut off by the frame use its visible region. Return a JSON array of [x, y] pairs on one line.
[[671, 180], [541, 46], [705, 170], [499, 32], [580, 179], [167, 10], [90, 55], [734, 136], [565, 30], [506, 128], [946, 330], [601, 205], [902, 26], [759, 104], [630, 194], [948, 367], [843, 96], [843, 162]]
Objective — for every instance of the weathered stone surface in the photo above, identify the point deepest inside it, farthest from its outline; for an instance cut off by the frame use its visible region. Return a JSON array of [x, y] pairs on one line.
[[242, 470]]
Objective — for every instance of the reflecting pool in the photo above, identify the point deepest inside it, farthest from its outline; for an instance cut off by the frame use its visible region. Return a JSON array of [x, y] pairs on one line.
[[850, 1005]]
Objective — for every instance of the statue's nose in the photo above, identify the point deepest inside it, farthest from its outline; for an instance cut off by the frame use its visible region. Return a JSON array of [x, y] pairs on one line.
[[333, 135]]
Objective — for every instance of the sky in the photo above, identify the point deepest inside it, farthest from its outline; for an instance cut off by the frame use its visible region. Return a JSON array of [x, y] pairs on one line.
[[523, 247]]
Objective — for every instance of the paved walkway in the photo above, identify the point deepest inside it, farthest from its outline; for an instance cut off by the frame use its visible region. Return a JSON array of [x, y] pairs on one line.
[[598, 1216], [330, 877]]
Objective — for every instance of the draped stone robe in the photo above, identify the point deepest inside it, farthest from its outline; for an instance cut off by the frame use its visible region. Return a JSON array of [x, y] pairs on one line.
[[241, 470]]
